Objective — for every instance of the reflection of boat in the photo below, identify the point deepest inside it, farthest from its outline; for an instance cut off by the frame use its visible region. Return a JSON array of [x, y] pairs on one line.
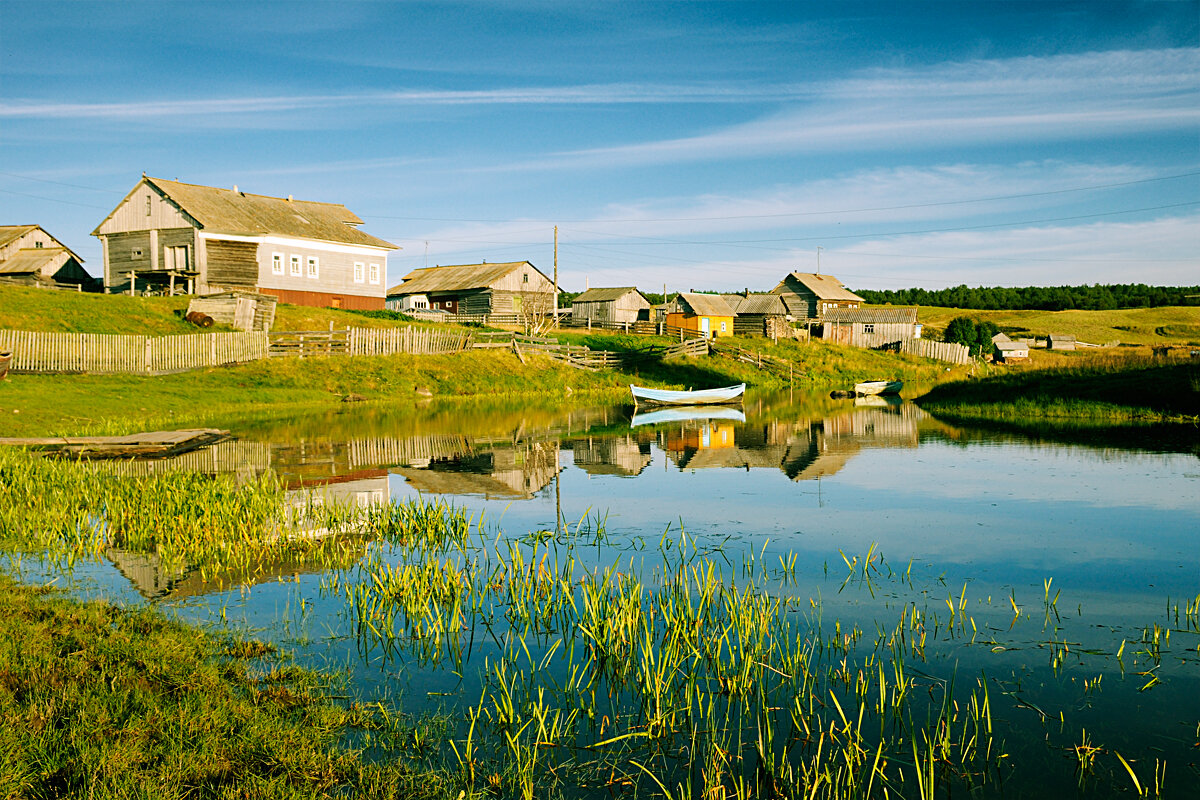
[[877, 400], [878, 387], [700, 397], [686, 413]]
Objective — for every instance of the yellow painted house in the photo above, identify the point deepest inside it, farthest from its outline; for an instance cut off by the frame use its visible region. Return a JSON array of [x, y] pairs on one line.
[[706, 314]]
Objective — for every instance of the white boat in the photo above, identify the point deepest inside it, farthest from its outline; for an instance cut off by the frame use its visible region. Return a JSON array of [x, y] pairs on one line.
[[700, 397], [686, 414], [878, 387]]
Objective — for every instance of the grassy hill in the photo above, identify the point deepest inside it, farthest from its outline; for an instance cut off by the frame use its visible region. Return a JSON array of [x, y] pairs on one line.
[[28, 309], [1173, 325]]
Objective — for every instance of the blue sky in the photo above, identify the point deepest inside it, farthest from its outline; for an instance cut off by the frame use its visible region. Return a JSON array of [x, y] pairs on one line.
[[706, 145]]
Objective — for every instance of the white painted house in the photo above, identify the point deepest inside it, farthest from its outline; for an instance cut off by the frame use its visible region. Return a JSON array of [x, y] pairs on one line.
[[172, 236]]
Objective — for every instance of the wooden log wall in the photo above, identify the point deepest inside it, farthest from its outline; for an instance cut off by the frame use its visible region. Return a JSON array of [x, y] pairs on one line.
[[41, 352]]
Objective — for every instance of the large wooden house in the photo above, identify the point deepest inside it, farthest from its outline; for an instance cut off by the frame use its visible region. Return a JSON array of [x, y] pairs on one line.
[[170, 236], [810, 295], [514, 287], [617, 305], [32, 257]]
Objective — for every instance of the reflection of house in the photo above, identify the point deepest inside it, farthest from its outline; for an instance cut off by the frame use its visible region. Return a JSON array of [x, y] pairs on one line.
[[611, 455], [870, 327], [622, 304], [707, 314], [170, 235], [518, 471], [30, 256], [515, 287], [810, 295]]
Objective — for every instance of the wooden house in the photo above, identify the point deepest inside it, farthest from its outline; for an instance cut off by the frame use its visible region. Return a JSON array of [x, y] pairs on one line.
[[1060, 341], [515, 287], [707, 314], [813, 295], [870, 327], [170, 236], [619, 305], [32, 257], [754, 313], [1009, 350]]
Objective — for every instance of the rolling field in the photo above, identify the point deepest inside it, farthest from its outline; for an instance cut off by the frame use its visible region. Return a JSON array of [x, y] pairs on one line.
[[1173, 325]]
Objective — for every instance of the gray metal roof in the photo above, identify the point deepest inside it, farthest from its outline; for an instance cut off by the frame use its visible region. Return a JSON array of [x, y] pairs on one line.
[[599, 295], [886, 314], [705, 305], [238, 213], [35, 260], [1006, 346], [10, 233], [456, 277], [756, 303]]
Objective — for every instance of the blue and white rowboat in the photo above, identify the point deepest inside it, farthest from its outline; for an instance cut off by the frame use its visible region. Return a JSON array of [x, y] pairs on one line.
[[700, 397]]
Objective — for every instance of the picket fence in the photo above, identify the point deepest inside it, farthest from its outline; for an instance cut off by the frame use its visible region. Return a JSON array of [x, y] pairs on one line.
[[39, 351]]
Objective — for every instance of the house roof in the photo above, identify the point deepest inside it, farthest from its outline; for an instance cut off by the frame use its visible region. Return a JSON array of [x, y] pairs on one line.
[[705, 305], [1000, 337], [456, 277], [10, 233], [825, 287], [756, 303], [1061, 337], [30, 260], [606, 295], [887, 314], [226, 211], [1008, 344]]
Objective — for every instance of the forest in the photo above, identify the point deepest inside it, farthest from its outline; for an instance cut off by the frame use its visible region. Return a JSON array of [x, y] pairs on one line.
[[1097, 297]]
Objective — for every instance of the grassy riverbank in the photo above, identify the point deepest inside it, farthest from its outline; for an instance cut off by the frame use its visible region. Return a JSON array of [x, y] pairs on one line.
[[1094, 392], [106, 702]]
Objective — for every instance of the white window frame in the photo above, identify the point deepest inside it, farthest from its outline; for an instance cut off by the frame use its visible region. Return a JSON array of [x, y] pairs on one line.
[[314, 267], [296, 266], [868, 327], [359, 272], [373, 273], [277, 264]]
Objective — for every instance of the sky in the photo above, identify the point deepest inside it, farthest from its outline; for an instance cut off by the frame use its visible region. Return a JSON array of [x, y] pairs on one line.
[[686, 145]]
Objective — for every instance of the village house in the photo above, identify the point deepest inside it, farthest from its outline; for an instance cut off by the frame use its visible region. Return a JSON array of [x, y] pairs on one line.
[[168, 236], [809, 295], [514, 287], [758, 314], [870, 327], [1009, 350], [32, 257], [706, 314], [1060, 341], [622, 304]]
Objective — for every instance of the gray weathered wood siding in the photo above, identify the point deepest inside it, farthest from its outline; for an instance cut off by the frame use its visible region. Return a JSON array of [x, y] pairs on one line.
[[335, 269], [231, 264], [132, 214], [126, 252], [881, 333], [623, 309]]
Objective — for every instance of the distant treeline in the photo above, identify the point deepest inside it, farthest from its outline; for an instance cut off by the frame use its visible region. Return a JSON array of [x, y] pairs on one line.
[[1045, 298]]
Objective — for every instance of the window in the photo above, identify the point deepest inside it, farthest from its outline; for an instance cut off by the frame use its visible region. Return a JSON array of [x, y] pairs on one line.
[[313, 267], [374, 273], [37, 245], [723, 323], [277, 263], [868, 327], [136, 253], [149, 199], [358, 272], [295, 266], [525, 278]]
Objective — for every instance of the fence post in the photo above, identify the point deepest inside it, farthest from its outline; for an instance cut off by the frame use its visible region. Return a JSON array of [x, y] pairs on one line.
[[147, 340], [212, 350]]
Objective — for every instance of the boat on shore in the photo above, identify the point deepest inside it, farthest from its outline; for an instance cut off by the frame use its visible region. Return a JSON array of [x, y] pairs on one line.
[[699, 397], [5, 361], [878, 387]]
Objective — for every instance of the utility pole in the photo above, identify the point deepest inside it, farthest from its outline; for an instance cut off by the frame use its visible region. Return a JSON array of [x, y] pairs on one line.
[[556, 276]]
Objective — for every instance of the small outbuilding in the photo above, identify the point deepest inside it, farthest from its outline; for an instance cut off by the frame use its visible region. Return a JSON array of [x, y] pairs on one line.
[[621, 304], [32, 257], [514, 287], [706, 314], [1060, 341], [870, 327]]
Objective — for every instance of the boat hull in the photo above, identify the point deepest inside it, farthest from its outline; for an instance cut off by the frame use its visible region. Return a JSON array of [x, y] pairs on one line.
[[878, 387], [5, 360], [702, 397]]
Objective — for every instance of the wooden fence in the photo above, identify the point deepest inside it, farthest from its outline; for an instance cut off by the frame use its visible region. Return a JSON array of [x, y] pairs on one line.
[[942, 351], [688, 347], [38, 351], [368, 342]]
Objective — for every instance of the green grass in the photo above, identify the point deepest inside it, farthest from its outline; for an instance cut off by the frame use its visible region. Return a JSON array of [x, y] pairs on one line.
[[103, 702], [1113, 392], [1176, 325]]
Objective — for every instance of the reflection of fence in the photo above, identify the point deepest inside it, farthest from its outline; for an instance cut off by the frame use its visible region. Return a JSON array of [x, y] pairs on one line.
[[39, 351], [368, 342]]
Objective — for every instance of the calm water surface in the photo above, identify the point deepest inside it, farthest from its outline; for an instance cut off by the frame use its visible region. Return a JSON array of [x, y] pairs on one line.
[[986, 519]]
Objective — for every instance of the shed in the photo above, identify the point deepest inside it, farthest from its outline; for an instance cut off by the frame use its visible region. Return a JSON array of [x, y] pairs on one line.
[[31, 256], [1009, 350], [754, 312], [245, 311], [870, 327], [1060, 341], [706, 314], [816, 294], [620, 304], [513, 287]]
